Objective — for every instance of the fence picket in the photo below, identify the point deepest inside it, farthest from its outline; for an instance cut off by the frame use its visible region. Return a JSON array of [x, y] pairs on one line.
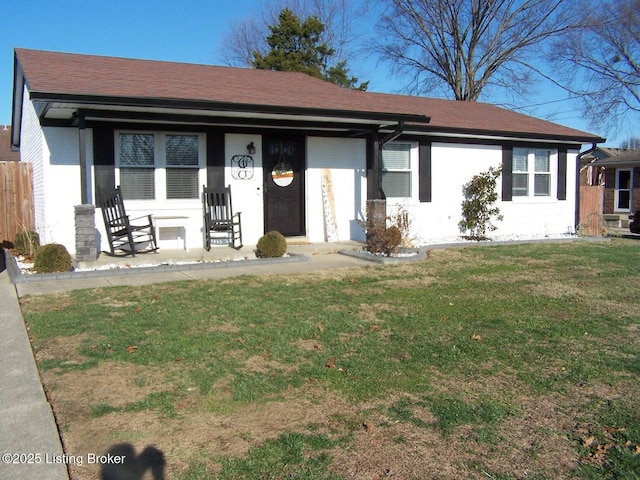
[[16, 200]]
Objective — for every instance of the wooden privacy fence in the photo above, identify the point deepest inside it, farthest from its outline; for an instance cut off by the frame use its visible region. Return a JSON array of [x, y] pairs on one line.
[[591, 209], [16, 200]]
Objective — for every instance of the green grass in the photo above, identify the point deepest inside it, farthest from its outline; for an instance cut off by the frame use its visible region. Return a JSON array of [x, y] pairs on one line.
[[292, 456], [538, 320], [161, 402]]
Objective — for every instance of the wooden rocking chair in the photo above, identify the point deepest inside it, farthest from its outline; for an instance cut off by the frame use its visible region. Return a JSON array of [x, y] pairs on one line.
[[122, 235], [219, 217]]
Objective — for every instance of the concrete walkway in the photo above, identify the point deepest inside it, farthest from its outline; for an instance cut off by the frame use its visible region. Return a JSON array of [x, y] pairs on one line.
[[173, 265], [29, 437]]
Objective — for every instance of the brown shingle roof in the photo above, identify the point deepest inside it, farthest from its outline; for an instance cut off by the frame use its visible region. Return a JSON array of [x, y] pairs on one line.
[[109, 77], [620, 156]]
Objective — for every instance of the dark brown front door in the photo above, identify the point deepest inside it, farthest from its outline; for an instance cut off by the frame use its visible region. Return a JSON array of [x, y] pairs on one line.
[[284, 164]]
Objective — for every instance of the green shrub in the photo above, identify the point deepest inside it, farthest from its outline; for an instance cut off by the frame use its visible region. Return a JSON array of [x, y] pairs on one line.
[[51, 258], [392, 240], [478, 211], [271, 244], [386, 235], [27, 243]]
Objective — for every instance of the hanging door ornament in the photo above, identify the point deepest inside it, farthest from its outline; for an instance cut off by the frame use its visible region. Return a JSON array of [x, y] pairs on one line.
[[282, 173]]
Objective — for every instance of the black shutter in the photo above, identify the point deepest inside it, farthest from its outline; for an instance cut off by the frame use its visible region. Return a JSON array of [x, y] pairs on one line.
[[215, 159], [424, 171], [507, 173], [103, 160], [562, 174], [373, 162]]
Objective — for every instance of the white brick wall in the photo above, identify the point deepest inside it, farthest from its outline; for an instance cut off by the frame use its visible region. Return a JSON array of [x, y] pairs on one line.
[[247, 194], [346, 160], [32, 150], [453, 165]]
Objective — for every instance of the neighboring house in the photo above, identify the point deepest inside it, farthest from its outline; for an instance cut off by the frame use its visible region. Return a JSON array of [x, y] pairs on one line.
[[618, 169], [7, 154], [163, 130]]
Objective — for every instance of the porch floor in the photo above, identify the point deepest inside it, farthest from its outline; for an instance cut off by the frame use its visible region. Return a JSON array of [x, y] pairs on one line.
[[295, 245], [118, 271]]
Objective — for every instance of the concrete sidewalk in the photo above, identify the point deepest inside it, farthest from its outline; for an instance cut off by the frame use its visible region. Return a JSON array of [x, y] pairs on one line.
[[29, 438]]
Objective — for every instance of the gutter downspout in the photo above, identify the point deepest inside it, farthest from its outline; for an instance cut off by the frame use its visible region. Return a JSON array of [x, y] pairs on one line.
[[85, 171]]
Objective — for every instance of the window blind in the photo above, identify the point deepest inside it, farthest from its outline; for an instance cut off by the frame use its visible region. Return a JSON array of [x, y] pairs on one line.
[[182, 183], [138, 183]]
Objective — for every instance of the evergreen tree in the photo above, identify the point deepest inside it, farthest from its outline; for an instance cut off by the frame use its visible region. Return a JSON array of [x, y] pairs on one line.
[[296, 47]]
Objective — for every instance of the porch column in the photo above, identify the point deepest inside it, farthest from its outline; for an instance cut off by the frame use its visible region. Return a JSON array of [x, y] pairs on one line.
[[86, 245], [85, 171], [85, 220], [374, 167]]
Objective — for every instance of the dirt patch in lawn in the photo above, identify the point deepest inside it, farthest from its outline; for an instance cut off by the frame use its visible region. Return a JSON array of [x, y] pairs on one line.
[[379, 445], [35, 305], [61, 347], [369, 311], [111, 383], [533, 438], [262, 364], [194, 433]]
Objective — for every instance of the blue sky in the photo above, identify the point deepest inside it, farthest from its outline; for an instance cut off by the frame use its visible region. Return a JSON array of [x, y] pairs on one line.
[[184, 31]]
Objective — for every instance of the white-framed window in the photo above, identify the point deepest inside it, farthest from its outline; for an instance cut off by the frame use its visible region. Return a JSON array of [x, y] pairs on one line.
[[182, 166], [622, 191], [137, 165], [159, 166], [532, 172], [397, 177]]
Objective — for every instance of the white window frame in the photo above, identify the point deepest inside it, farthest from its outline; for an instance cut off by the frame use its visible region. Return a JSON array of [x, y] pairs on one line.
[[146, 167], [531, 173], [160, 164], [616, 191], [412, 170]]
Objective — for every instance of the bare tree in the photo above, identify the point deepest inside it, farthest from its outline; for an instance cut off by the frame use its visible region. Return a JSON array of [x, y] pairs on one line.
[[464, 47], [244, 37], [632, 142], [601, 61]]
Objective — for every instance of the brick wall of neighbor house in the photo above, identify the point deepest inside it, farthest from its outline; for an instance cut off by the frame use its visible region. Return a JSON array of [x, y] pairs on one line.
[[6, 153], [609, 182]]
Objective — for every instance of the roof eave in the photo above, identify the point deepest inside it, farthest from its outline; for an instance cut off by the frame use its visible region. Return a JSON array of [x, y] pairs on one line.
[[204, 105], [19, 83], [618, 164], [509, 135]]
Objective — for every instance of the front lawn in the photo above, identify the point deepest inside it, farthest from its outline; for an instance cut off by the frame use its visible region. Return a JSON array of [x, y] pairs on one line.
[[501, 362]]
